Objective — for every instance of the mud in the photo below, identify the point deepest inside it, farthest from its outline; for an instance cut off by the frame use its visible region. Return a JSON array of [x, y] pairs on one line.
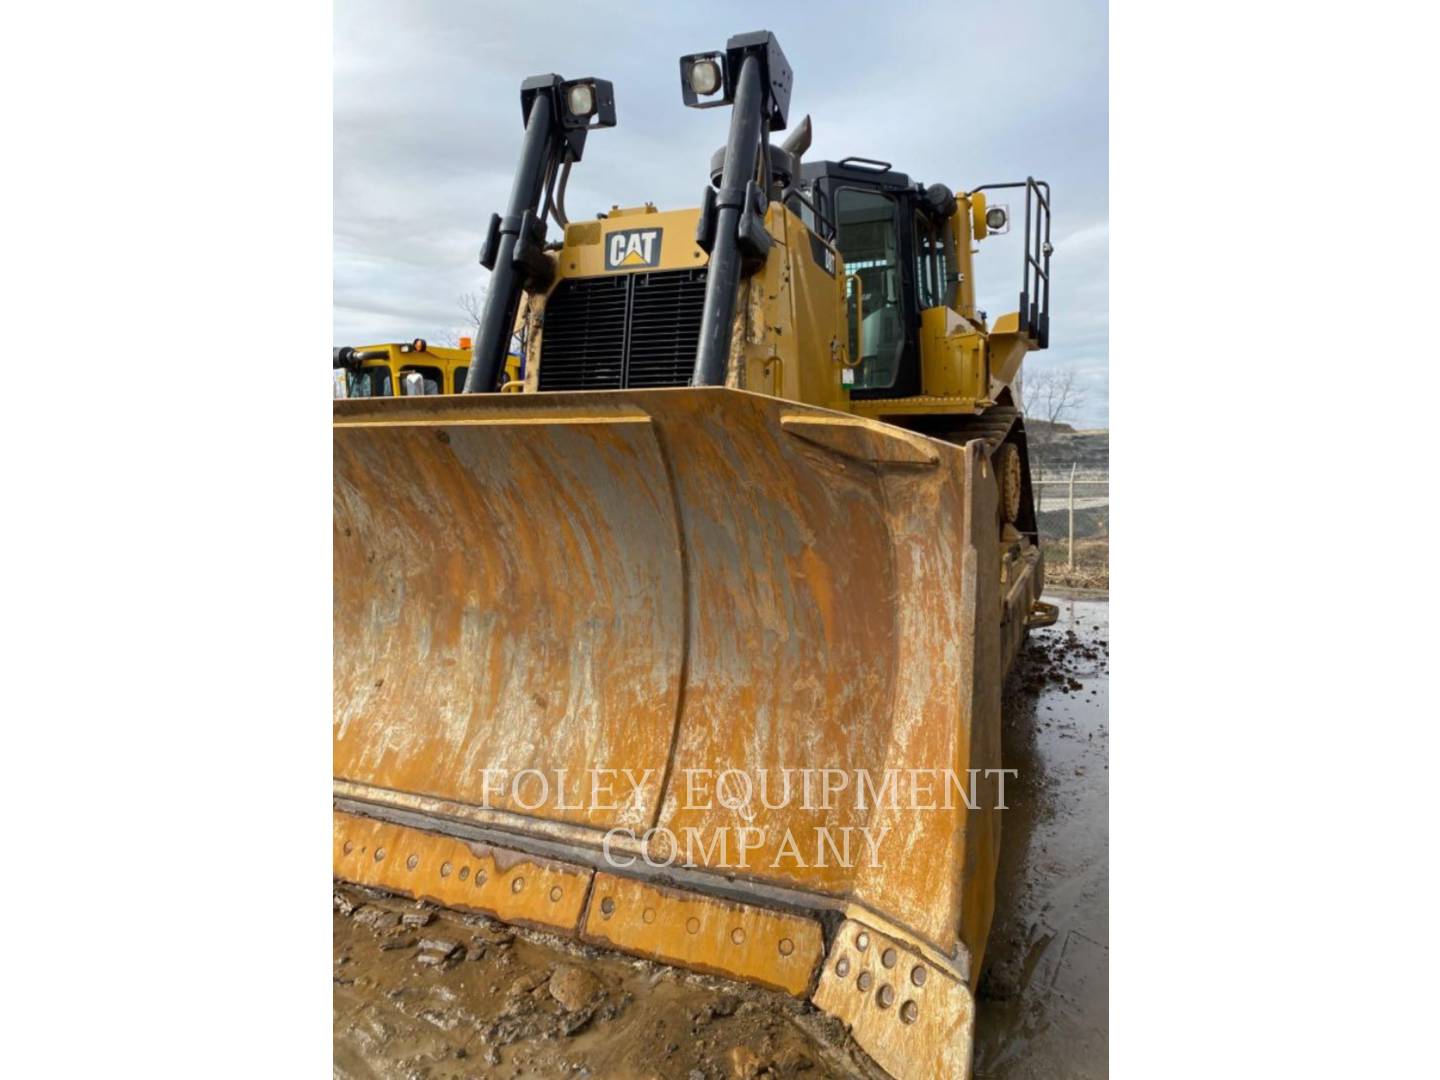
[[429, 994], [1044, 994], [426, 994]]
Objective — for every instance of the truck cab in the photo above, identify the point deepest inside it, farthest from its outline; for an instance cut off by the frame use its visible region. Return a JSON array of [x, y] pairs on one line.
[[405, 369]]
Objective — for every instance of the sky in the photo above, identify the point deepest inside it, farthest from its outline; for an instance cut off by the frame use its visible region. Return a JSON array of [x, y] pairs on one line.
[[427, 128]]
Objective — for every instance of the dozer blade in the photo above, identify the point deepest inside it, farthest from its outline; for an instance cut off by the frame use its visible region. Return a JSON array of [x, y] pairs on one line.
[[760, 638]]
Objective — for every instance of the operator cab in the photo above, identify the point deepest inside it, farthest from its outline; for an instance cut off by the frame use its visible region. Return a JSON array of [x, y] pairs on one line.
[[891, 233]]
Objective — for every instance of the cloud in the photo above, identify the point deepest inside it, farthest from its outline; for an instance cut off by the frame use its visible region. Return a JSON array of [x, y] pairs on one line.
[[427, 129]]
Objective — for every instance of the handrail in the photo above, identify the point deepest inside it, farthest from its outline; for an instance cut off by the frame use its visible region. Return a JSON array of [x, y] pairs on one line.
[[814, 207], [1035, 270], [859, 357]]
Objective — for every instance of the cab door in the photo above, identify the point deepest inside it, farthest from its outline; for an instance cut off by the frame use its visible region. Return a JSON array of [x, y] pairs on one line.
[[880, 253]]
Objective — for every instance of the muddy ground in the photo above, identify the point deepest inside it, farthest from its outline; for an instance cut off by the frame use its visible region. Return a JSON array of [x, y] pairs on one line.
[[1045, 992], [429, 994]]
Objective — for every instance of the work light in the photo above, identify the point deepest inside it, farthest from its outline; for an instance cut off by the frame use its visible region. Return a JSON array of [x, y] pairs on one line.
[[581, 99], [702, 80], [704, 77]]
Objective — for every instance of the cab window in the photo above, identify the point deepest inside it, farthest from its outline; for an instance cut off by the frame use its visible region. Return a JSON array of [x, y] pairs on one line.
[[929, 262], [431, 380], [868, 240], [379, 382]]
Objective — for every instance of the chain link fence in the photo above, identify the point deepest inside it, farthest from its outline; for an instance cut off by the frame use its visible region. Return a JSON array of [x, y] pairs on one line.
[[1072, 512]]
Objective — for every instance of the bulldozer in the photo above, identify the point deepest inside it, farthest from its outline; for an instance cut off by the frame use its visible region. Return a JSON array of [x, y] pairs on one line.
[[680, 628]]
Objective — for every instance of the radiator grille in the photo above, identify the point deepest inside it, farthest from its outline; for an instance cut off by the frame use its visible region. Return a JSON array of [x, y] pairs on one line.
[[583, 347], [621, 331]]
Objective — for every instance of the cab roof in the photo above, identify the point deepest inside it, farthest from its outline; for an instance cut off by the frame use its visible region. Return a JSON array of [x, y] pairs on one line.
[[867, 171]]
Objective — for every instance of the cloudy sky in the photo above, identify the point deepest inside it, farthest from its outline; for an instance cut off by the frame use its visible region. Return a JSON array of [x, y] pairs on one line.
[[427, 133]]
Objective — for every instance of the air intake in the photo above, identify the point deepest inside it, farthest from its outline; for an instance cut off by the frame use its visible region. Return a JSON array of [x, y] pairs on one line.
[[622, 331]]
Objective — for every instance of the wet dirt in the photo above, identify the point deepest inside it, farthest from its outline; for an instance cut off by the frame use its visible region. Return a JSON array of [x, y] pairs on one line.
[[422, 993], [1044, 994], [429, 994]]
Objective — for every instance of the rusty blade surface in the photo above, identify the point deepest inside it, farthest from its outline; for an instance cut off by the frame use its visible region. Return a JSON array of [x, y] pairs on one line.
[[670, 582], [508, 596]]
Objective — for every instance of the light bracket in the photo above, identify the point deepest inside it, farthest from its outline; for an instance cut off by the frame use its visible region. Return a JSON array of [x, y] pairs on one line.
[[775, 75], [724, 95]]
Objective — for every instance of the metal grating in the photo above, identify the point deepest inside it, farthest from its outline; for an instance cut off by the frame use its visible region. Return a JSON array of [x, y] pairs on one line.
[[620, 331], [665, 327], [583, 344]]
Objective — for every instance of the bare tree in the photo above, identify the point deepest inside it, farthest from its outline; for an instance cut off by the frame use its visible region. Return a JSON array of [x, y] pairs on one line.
[[1052, 397], [472, 305]]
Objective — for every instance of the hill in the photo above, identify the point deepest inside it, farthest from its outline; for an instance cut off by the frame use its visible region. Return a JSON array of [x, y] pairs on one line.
[[1055, 447]]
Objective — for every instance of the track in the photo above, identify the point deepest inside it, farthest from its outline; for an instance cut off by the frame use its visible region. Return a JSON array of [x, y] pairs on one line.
[[996, 425]]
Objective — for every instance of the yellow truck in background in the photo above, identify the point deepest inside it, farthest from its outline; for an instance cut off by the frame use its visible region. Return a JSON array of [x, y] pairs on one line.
[[414, 368]]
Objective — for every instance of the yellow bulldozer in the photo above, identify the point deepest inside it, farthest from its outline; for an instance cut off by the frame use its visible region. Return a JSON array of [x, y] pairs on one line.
[[691, 644]]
